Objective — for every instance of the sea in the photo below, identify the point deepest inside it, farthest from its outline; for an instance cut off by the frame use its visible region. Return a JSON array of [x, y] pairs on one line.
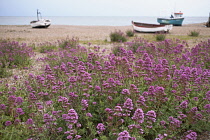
[[93, 20]]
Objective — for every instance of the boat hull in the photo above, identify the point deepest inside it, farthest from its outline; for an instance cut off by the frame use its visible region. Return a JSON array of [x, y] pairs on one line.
[[150, 28], [40, 26], [173, 21], [40, 23]]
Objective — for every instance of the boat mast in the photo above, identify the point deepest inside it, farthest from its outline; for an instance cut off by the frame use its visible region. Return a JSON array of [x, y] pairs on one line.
[[37, 14]]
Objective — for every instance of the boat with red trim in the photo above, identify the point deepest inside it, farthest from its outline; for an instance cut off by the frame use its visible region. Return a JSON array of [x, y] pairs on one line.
[[176, 19], [150, 28]]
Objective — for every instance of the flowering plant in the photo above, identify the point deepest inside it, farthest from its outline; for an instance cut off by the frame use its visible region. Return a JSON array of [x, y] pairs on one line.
[[160, 91]]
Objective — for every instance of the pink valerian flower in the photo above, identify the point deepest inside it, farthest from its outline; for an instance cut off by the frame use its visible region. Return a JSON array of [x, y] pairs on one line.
[[163, 123], [184, 104], [128, 104], [70, 126], [17, 121], [78, 136], [64, 101], [118, 111], [151, 118], [98, 88], [47, 118], [196, 99], [94, 103], [158, 70], [2, 106], [207, 107], [12, 98], [19, 100], [147, 64], [108, 110], [100, 127], [141, 100], [191, 135], [182, 116], [71, 117], [69, 137], [29, 122], [125, 92], [32, 97], [19, 111], [78, 125], [160, 136], [175, 122], [138, 116], [16, 77], [110, 98], [198, 116], [49, 103], [134, 89], [8, 123], [84, 104], [208, 96], [72, 95], [48, 69], [132, 126], [39, 106], [59, 129], [14, 89], [194, 110], [151, 90], [89, 114], [125, 136]]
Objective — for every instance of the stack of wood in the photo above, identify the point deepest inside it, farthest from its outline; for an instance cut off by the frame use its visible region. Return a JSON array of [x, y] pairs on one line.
[[208, 22]]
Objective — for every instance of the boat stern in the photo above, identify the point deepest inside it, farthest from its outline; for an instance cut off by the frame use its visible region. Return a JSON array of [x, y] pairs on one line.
[[169, 27]]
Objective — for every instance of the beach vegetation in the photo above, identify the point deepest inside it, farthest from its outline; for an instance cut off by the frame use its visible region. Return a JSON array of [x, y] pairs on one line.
[[141, 90], [116, 50], [135, 44], [94, 42], [194, 33], [130, 33], [160, 36], [118, 36], [46, 47], [14, 55], [68, 43], [5, 72]]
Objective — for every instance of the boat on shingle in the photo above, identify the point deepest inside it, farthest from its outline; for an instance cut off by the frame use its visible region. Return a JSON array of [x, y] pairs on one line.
[[175, 19], [150, 28], [40, 23]]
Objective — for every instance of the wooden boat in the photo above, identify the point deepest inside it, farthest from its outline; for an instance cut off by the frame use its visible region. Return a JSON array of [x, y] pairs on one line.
[[40, 23], [176, 19], [150, 28]]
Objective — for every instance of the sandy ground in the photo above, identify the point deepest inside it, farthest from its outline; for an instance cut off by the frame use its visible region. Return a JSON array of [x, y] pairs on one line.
[[25, 33]]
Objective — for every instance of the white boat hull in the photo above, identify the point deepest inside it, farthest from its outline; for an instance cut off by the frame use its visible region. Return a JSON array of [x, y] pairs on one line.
[[151, 28], [43, 23]]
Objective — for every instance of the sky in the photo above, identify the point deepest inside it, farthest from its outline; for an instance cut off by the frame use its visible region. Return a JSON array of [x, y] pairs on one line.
[[104, 7]]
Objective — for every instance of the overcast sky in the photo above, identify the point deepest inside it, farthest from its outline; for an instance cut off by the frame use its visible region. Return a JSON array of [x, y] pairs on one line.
[[103, 7]]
